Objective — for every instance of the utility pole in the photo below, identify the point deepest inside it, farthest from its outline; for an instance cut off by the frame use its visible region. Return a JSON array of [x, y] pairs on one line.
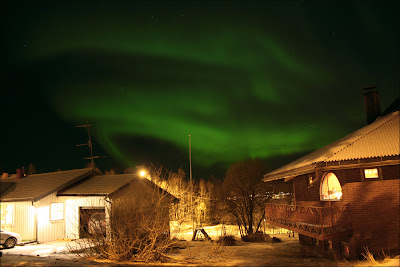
[[191, 184], [90, 145], [200, 229]]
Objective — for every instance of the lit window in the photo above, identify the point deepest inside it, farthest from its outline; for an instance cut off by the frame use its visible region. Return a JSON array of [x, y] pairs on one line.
[[7, 213], [330, 188], [371, 173], [56, 211]]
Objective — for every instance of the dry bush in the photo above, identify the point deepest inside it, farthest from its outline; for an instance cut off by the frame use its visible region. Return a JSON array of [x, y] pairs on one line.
[[227, 240], [218, 252], [369, 256], [257, 237], [137, 226]]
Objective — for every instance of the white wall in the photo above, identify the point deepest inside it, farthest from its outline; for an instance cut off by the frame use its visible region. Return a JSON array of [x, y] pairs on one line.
[[72, 205], [23, 221], [25, 214], [49, 230]]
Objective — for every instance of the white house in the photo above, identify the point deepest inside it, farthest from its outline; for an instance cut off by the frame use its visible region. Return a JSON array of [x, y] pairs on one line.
[[30, 206], [89, 196], [51, 206]]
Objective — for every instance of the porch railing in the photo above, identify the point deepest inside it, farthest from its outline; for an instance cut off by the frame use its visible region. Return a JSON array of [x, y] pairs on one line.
[[316, 220]]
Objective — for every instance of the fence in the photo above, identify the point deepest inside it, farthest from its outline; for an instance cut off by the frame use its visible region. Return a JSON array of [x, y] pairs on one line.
[[318, 220]]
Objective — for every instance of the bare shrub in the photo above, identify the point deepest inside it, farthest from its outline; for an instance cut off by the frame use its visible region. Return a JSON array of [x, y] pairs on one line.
[[227, 240], [369, 256], [217, 249], [137, 226], [257, 237], [219, 252]]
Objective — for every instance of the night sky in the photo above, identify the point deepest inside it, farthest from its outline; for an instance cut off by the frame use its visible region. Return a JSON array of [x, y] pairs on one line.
[[266, 79]]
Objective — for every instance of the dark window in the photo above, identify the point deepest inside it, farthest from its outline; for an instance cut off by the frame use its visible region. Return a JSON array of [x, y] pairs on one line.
[[328, 244], [344, 248]]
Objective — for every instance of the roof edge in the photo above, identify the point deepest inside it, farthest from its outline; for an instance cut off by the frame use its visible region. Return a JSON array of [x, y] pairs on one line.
[[394, 116], [56, 189], [290, 174], [82, 195], [325, 166]]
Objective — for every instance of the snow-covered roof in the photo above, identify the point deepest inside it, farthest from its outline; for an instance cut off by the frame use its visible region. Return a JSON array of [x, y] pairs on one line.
[[36, 186], [378, 139], [100, 185]]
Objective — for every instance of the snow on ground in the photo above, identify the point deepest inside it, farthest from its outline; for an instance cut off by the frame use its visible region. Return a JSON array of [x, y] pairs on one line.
[[285, 253], [185, 231], [190, 253], [186, 253]]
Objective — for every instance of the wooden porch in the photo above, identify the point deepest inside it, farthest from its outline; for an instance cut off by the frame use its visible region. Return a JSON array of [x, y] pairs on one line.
[[322, 223]]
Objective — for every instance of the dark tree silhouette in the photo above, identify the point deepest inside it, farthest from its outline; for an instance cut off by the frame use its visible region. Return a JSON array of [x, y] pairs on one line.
[[244, 194], [31, 169]]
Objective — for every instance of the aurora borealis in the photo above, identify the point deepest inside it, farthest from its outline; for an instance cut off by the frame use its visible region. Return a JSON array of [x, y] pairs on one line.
[[260, 79]]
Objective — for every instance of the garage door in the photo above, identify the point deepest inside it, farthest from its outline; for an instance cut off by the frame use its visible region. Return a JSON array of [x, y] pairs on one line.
[[85, 213]]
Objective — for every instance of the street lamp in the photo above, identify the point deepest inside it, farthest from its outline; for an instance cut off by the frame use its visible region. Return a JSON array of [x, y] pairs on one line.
[[144, 174]]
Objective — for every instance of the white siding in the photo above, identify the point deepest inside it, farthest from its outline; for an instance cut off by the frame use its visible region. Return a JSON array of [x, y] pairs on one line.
[[23, 220], [49, 230], [25, 215], [72, 212]]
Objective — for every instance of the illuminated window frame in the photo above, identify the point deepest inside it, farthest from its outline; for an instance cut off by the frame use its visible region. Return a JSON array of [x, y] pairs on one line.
[[56, 211], [371, 173], [335, 195], [7, 214]]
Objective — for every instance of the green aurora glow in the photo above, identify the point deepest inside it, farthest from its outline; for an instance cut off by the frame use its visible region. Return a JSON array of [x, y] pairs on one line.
[[259, 81]]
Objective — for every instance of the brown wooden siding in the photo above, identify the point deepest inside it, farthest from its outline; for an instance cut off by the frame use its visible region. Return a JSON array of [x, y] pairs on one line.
[[391, 172]]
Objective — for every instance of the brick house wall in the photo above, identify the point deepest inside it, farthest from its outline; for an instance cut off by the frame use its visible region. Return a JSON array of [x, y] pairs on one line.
[[374, 209], [311, 247], [375, 215]]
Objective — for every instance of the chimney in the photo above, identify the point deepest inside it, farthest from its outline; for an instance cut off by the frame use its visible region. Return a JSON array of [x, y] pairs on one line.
[[20, 173], [372, 105]]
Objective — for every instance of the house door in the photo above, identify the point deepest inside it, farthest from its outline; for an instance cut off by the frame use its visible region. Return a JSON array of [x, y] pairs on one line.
[[90, 219]]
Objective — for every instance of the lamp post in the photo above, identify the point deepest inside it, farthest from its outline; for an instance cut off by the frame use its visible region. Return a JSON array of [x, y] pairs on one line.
[[143, 173], [191, 184]]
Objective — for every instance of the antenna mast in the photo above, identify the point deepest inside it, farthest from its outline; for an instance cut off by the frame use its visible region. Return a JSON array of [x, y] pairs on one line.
[[89, 144]]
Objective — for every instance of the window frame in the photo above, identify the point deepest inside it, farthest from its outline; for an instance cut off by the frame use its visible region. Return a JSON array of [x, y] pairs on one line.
[[5, 204], [62, 213], [379, 170], [325, 176]]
